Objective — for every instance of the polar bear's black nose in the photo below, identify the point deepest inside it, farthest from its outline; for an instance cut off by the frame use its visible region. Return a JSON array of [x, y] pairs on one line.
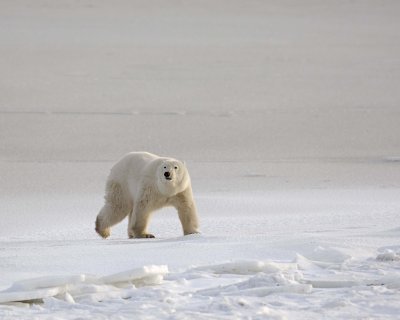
[[167, 174]]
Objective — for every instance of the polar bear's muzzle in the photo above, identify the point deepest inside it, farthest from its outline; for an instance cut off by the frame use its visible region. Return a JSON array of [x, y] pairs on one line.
[[167, 175]]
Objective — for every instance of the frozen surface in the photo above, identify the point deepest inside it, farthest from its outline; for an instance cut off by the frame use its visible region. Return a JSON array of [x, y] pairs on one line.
[[287, 115]]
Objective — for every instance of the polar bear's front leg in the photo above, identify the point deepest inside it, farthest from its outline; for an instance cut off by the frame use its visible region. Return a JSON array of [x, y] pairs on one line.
[[139, 218], [138, 221], [189, 220], [187, 212]]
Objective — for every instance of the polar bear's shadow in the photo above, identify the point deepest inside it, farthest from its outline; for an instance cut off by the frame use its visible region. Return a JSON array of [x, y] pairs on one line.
[[191, 238]]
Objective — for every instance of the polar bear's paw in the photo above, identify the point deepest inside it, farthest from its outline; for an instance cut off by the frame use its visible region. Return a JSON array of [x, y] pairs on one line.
[[104, 233]]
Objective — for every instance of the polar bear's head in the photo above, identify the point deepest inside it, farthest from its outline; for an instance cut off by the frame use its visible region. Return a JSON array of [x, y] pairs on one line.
[[172, 177]]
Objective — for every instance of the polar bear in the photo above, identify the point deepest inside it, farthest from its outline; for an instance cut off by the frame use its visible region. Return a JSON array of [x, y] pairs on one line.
[[141, 183]]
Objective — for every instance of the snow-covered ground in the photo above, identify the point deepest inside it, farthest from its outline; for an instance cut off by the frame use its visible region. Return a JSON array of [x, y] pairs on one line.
[[287, 115]]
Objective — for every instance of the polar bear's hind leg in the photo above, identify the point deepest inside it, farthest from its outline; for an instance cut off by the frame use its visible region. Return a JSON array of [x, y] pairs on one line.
[[117, 206]]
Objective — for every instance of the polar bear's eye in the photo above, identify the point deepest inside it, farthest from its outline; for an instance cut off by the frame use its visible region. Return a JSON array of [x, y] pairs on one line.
[[176, 168], [165, 167]]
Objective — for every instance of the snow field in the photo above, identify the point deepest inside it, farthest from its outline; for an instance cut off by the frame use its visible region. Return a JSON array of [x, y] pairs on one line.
[[294, 254], [335, 287]]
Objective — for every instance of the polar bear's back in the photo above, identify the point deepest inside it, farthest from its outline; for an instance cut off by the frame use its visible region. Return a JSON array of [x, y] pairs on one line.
[[132, 165]]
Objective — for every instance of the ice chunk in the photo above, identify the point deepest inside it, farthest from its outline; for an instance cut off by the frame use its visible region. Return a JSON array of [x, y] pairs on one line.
[[305, 264], [46, 282], [69, 298], [9, 296], [321, 258], [264, 291], [388, 255], [327, 256], [261, 285], [329, 284], [146, 275], [39, 288], [69, 288], [248, 267]]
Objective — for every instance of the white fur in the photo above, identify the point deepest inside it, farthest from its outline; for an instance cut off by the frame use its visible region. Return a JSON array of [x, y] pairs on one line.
[[137, 186]]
